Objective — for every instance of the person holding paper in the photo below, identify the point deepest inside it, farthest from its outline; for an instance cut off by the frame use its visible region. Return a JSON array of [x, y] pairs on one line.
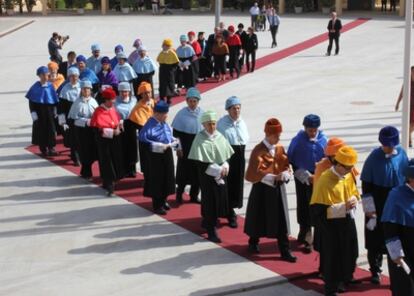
[[157, 137], [398, 222], [107, 123], [212, 151], [382, 171], [143, 110], [68, 94], [186, 55], [168, 61], [267, 210], [42, 105], [234, 129], [333, 203], [82, 135], [124, 104], [305, 150], [186, 125]]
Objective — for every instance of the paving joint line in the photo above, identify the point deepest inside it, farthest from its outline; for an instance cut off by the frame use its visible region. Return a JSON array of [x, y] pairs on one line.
[[16, 28]]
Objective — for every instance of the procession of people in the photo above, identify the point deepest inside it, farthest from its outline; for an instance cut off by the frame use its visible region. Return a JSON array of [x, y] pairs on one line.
[[107, 112]]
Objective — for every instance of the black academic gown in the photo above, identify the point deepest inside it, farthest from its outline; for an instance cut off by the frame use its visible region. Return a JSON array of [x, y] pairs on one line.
[[84, 142], [44, 128], [167, 80], [214, 200], [141, 77], [401, 283], [63, 107], [338, 246], [186, 77], [374, 240], [159, 176], [129, 148], [186, 168], [110, 158], [303, 197], [235, 178], [265, 215]]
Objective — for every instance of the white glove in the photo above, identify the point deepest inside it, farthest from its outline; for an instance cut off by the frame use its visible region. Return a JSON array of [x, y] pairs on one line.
[[61, 119], [286, 176], [108, 133], [34, 116], [159, 147], [303, 176], [372, 223], [88, 122], [214, 170], [269, 180], [65, 127]]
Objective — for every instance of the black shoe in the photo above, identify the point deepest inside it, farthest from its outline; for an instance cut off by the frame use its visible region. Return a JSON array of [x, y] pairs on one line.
[[131, 175], [376, 278], [288, 256], [179, 198], [254, 248], [233, 222], [194, 199], [212, 236], [307, 249], [52, 152], [43, 152], [341, 288], [110, 190], [353, 282], [160, 211], [167, 206]]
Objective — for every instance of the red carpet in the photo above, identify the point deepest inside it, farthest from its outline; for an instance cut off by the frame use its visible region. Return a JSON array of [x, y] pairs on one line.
[[301, 274]]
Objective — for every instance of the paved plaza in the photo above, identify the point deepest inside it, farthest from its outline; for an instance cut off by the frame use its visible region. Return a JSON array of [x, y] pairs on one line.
[[60, 235]]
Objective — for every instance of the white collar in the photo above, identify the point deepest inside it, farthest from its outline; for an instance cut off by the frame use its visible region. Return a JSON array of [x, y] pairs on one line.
[[408, 185], [337, 174], [393, 153], [210, 136]]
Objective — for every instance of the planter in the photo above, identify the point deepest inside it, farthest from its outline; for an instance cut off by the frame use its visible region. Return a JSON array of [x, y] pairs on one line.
[[81, 10], [326, 10], [10, 11], [125, 10], [298, 9]]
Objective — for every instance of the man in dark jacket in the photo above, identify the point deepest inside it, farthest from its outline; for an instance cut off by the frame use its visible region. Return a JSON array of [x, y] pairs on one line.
[[334, 29], [242, 34]]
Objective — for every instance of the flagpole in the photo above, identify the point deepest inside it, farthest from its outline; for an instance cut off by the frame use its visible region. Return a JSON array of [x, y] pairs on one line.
[[218, 12], [405, 130]]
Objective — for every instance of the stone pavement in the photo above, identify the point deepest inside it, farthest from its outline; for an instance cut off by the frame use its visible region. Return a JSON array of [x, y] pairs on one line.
[[60, 236]]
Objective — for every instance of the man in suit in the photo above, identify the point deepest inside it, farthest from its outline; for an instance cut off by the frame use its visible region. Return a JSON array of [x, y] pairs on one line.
[[334, 29], [64, 66]]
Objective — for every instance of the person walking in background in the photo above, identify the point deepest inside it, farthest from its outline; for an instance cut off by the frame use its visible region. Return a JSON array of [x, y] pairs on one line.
[[334, 29], [220, 51], [274, 22], [155, 7], [234, 43], [393, 5], [242, 35], [254, 14], [251, 45], [383, 170], [305, 150], [384, 5], [399, 99]]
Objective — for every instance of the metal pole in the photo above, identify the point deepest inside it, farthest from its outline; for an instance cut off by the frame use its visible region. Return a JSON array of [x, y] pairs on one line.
[[405, 130], [218, 12]]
